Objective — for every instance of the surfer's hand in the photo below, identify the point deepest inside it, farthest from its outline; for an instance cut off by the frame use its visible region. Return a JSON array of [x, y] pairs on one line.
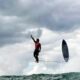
[[31, 36]]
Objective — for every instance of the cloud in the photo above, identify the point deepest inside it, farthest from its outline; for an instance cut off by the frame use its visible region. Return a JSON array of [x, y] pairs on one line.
[[14, 58], [17, 16], [13, 30], [21, 55], [51, 21], [56, 15]]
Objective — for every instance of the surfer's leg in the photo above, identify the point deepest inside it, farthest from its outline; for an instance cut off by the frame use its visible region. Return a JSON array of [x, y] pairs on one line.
[[37, 58], [36, 53]]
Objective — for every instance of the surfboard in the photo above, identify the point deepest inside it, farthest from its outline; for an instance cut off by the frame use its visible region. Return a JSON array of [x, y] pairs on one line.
[[65, 51]]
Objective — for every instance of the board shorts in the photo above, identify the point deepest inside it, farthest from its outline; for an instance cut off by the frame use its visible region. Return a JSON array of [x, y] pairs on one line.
[[36, 52]]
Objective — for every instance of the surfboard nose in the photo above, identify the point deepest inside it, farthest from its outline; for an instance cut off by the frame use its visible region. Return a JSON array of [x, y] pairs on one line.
[[64, 42]]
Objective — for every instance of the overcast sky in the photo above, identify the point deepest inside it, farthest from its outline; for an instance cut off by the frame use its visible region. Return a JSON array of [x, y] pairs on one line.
[[51, 21]]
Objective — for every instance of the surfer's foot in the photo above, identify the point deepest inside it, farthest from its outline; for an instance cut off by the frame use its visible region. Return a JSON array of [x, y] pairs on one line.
[[37, 61]]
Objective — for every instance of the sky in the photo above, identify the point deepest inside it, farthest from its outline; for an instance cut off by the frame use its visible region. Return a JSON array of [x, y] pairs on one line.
[[49, 20]]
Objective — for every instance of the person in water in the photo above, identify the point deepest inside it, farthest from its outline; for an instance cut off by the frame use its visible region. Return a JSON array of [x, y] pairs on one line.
[[37, 48]]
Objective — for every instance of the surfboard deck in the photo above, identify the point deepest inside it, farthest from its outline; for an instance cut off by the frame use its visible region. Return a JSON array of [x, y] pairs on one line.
[[65, 50]]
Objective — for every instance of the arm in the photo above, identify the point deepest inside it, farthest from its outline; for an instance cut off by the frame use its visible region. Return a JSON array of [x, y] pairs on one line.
[[33, 38]]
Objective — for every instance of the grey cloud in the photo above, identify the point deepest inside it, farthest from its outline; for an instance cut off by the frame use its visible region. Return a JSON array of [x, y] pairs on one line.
[[16, 34], [11, 33], [56, 15], [58, 18]]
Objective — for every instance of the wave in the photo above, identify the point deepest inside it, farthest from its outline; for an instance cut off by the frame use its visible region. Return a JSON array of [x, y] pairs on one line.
[[64, 76]]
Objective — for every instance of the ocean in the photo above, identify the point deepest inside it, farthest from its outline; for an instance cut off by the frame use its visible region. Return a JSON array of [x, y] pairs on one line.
[[64, 76]]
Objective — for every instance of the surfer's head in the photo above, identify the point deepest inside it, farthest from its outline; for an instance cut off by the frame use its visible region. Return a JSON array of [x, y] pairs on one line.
[[37, 40]]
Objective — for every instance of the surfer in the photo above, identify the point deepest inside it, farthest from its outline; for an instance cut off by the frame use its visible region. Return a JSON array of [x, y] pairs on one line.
[[37, 48]]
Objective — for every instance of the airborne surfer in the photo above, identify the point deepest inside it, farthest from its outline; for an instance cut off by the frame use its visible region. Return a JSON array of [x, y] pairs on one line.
[[37, 48]]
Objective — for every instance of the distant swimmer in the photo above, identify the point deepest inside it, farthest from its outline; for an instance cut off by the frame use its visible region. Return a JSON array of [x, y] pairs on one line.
[[37, 48]]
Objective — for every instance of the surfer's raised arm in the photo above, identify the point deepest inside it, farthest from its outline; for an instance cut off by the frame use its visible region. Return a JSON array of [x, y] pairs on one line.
[[33, 38]]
